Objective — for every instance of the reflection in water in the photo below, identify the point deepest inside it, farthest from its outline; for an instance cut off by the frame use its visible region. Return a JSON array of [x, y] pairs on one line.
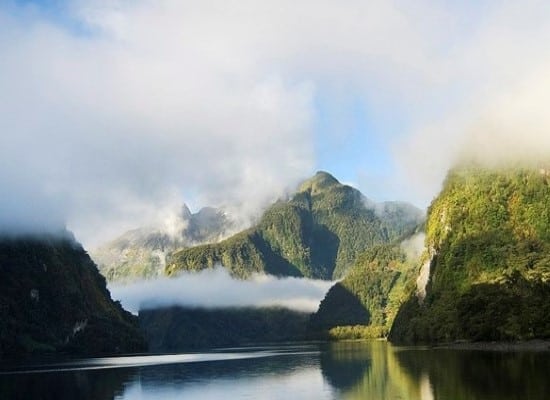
[[381, 377], [345, 364], [352, 370], [278, 373], [85, 385], [487, 375], [426, 390], [304, 383]]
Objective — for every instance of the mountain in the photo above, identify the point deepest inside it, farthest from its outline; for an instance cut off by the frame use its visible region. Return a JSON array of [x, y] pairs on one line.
[[488, 268], [365, 302], [53, 299], [174, 329], [142, 252], [318, 233]]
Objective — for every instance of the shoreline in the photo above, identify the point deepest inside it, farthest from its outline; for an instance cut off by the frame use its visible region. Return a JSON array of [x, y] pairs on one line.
[[536, 345]]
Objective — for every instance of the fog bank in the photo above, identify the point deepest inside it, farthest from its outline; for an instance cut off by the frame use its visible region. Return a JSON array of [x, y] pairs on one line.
[[214, 288]]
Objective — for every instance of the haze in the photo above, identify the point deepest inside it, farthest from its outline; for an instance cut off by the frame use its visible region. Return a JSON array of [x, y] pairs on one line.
[[113, 112], [214, 288]]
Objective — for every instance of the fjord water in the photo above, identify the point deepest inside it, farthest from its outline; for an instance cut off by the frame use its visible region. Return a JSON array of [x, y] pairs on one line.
[[348, 370]]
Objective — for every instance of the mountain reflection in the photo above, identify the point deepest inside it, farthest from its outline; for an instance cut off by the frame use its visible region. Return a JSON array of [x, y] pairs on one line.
[[82, 385], [380, 371], [487, 375], [346, 370], [344, 364], [360, 370]]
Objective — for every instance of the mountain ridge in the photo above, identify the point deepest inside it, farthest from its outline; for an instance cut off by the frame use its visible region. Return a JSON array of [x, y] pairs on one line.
[[317, 232], [141, 253]]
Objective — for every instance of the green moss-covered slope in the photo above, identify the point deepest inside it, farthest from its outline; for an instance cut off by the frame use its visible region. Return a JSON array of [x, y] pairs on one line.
[[366, 301], [488, 234], [318, 233], [53, 299]]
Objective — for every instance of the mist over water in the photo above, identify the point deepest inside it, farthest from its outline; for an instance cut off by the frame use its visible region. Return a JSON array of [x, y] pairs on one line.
[[215, 288]]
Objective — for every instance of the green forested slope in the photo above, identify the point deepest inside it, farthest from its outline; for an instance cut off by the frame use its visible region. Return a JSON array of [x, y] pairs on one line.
[[53, 299], [366, 301], [488, 234], [318, 233]]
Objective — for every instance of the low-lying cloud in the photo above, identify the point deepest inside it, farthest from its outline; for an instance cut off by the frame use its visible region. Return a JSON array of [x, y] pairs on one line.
[[214, 288], [414, 246], [493, 89]]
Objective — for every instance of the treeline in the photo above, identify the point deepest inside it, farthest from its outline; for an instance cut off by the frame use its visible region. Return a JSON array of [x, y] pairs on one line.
[[179, 328]]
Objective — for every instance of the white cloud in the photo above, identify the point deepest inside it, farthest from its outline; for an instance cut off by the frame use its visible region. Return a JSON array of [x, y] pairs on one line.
[[497, 77], [112, 126], [132, 105], [214, 288], [414, 246]]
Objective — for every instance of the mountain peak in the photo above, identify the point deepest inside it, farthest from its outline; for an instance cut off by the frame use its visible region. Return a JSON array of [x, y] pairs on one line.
[[319, 182], [185, 212]]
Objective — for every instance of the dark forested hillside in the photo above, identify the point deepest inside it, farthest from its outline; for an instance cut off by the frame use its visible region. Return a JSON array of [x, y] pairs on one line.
[[178, 328], [488, 235], [53, 299], [317, 233]]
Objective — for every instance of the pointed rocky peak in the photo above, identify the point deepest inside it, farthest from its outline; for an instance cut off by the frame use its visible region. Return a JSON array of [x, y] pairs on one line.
[[185, 212], [209, 218], [209, 212], [320, 182]]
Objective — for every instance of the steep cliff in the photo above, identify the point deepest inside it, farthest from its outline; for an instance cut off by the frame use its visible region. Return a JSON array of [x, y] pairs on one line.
[[53, 299], [488, 240]]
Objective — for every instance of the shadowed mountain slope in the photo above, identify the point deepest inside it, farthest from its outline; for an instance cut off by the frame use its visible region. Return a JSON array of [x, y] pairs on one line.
[[318, 233]]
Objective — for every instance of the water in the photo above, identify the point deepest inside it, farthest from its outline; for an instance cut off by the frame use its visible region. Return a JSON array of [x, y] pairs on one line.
[[358, 370]]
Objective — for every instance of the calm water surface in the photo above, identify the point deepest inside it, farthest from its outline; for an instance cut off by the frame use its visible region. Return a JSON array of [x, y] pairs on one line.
[[359, 370]]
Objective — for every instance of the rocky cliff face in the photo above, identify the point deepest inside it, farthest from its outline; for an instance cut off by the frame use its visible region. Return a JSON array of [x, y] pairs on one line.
[[53, 299], [488, 241], [142, 253]]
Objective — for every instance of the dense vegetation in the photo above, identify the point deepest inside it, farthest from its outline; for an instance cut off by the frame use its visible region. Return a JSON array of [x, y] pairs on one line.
[[317, 233], [141, 253], [178, 328], [488, 233], [53, 299], [365, 302]]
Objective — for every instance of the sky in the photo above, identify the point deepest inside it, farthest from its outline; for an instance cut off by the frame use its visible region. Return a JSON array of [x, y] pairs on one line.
[[114, 111]]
